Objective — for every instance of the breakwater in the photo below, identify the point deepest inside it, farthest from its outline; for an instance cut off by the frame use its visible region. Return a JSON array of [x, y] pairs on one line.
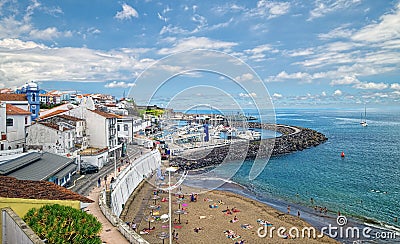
[[292, 139]]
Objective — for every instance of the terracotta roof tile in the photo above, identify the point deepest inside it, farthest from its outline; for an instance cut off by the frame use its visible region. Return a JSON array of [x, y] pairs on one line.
[[53, 113], [104, 114], [13, 97], [13, 110], [29, 189], [68, 117]]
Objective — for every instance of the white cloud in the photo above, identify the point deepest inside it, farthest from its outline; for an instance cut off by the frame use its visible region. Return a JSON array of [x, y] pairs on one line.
[[337, 93], [301, 76], [251, 94], [324, 7], [270, 9], [340, 32], [47, 34], [127, 13], [244, 77], [173, 30], [160, 17], [323, 94], [301, 52], [191, 43], [118, 84], [258, 53], [388, 28], [371, 86], [395, 86], [277, 96], [347, 80], [32, 61]]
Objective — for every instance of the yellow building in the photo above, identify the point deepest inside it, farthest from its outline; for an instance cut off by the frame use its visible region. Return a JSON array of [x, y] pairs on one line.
[[23, 195]]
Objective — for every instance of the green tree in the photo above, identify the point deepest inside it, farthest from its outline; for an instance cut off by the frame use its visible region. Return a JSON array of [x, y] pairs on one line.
[[63, 224]]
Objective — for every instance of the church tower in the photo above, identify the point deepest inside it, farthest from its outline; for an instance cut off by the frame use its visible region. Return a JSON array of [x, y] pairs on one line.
[[31, 90]]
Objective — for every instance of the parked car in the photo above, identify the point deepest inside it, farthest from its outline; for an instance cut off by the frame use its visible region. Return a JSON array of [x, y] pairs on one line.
[[88, 169]]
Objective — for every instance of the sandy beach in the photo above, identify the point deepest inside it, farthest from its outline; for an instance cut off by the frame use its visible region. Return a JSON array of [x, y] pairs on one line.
[[212, 223]]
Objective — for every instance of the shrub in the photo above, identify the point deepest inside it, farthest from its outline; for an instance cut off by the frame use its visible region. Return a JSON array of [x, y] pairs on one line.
[[63, 224]]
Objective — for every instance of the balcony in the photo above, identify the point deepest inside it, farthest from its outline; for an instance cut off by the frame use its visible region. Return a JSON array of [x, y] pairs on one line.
[[3, 136]]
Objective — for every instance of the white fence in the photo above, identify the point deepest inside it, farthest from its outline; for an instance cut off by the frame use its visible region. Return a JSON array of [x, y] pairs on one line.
[[130, 177]]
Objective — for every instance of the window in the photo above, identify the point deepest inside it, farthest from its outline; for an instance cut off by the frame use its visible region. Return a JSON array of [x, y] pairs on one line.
[[118, 128], [125, 127], [33, 97], [33, 111], [9, 122], [26, 120]]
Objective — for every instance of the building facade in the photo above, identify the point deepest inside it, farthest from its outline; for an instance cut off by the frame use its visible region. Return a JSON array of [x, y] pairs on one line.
[[31, 90], [13, 123]]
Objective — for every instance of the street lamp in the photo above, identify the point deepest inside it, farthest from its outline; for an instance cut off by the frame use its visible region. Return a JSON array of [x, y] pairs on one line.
[[170, 169]]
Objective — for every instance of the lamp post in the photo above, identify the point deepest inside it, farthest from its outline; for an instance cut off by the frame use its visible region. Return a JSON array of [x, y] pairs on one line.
[[170, 169]]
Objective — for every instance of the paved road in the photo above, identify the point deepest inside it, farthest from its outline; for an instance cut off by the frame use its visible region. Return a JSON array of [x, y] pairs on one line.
[[83, 184]]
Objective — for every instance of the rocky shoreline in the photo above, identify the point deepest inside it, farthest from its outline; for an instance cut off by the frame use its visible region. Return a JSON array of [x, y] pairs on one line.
[[292, 139]]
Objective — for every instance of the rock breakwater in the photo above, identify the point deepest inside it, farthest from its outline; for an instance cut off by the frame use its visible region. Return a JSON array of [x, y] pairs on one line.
[[291, 139]]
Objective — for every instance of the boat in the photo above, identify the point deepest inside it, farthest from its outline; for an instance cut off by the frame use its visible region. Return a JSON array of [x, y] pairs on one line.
[[363, 122], [342, 155]]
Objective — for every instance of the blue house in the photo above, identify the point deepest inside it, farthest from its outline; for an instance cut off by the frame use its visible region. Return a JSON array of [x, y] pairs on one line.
[[31, 90]]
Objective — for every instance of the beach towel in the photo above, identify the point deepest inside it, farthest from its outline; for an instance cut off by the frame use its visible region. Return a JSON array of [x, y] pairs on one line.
[[177, 226], [185, 205]]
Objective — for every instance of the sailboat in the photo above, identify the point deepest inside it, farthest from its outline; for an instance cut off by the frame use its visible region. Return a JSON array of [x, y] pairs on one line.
[[363, 122]]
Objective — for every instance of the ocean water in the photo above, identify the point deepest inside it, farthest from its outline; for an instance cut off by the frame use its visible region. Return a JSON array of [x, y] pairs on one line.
[[365, 184]]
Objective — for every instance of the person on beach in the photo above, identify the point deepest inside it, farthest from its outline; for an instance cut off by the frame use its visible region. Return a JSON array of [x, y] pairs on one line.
[[288, 209], [298, 214]]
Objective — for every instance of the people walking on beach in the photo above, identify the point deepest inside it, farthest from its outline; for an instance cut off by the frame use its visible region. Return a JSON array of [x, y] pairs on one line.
[[298, 213], [288, 209]]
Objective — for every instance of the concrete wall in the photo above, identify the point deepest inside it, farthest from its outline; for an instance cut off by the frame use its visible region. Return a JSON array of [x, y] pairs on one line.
[[15, 230], [130, 177]]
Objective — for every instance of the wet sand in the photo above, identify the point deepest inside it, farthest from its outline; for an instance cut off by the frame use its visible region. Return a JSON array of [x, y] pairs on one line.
[[212, 221]]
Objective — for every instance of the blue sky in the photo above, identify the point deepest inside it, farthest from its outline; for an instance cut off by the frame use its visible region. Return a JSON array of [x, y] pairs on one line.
[[306, 53]]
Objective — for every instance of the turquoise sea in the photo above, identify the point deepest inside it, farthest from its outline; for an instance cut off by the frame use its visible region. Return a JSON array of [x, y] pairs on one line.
[[365, 184]]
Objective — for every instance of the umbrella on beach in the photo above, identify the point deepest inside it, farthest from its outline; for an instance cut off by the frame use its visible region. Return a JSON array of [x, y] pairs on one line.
[[150, 219], [155, 198], [179, 212], [162, 236], [152, 207]]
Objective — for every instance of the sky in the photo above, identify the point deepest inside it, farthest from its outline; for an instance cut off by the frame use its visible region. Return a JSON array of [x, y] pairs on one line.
[[322, 53]]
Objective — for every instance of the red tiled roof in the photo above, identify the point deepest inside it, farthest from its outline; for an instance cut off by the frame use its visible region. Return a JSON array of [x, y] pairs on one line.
[[13, 97], [104, 114], [53, 113], [68, 117], [29, 189], [13, 110]]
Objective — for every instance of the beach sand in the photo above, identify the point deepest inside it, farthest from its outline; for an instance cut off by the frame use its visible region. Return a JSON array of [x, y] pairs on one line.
[[212, 221]]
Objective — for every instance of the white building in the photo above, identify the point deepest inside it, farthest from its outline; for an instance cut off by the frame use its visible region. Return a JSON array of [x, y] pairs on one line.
[[18, 100], [129, 127], [54, 138], [13, 122], [81, 140]]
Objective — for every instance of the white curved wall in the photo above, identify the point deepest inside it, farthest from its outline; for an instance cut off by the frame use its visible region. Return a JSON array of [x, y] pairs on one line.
[[130, 177]]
